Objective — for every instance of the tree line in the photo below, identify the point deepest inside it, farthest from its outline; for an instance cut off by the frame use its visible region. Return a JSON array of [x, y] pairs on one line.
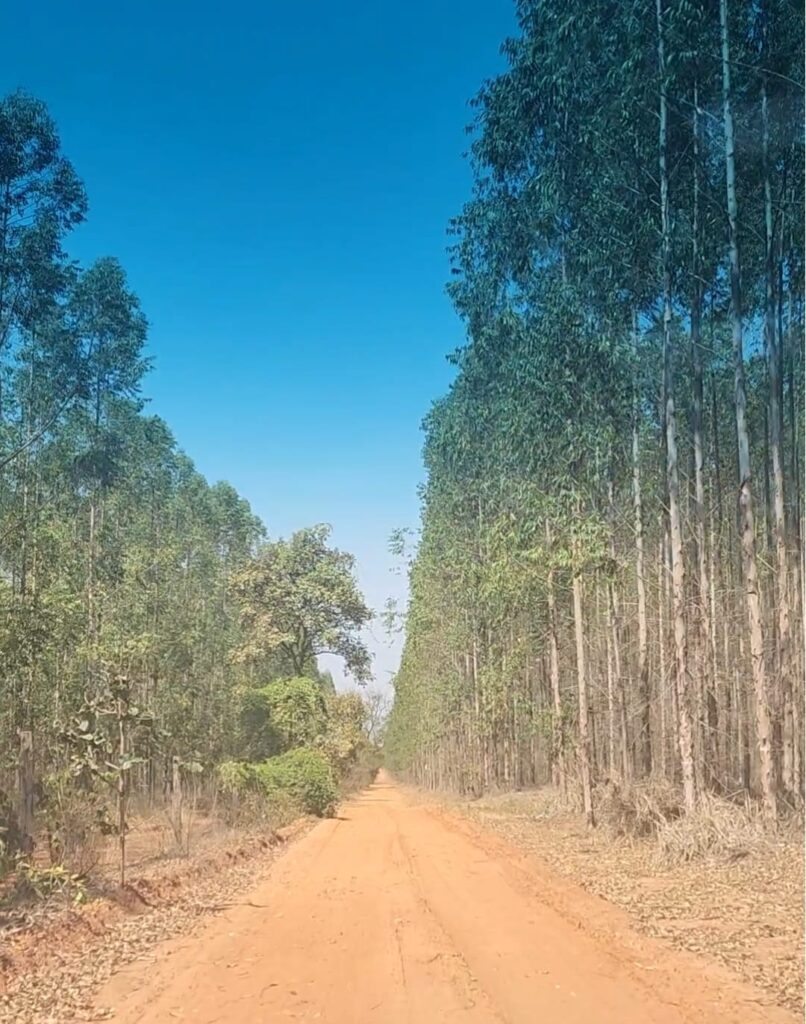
[[608, 582], [140, 605]]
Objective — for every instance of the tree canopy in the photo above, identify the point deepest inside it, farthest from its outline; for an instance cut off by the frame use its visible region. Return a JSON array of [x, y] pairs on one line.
[[587, 601], [300, 598]]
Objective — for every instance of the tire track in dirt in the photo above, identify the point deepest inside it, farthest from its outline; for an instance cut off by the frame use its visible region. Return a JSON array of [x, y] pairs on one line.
[[451, 960]]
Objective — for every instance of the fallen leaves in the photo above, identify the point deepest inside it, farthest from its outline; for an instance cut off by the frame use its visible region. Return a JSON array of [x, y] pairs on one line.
[[89, 948], [746, 913]]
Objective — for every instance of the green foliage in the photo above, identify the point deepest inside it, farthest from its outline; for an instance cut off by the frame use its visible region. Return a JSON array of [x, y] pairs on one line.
[[284, 714], [34, 882], [234, 776], [346, 730], [299, 598], [93, 736], [320, 742], [303, 774]]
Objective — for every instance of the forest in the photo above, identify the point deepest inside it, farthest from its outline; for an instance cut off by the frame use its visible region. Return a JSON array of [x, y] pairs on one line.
[[607, 589], [581, 795], [152, 637]]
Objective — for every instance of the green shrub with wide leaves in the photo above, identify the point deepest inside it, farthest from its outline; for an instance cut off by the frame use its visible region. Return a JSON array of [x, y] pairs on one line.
[[304, 774], [284, 714]]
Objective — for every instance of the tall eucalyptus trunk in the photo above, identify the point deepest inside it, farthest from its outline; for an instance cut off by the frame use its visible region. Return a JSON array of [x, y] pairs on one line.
[[585, 755], [557, 723], [685, 723], [708, 702], [644, 739], [746, 513], [784, 703]]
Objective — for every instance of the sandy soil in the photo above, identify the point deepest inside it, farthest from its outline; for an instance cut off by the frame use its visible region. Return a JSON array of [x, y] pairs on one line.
[[55, 955], [397, 912]]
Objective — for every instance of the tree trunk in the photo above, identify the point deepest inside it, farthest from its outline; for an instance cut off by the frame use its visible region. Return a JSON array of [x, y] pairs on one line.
[[122, 786], [775, 417], [25, 791], [746, 515], [685, 725], [584, 706], [557, 723], [662, 584], [611, 696], [615, 666], [704, 666], [644, 740], [176, 799]]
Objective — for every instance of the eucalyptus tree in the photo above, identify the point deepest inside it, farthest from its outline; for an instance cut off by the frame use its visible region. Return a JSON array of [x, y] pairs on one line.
[[778, 48], [112, 330], [591, 266], [41, 199], [746, 499], [116, 555]]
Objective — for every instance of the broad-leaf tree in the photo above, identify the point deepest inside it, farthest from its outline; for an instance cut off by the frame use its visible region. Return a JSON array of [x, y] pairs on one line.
[[299, 598]]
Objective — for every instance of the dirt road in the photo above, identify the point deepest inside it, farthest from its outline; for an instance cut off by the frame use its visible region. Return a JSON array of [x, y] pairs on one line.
[[397, 914]]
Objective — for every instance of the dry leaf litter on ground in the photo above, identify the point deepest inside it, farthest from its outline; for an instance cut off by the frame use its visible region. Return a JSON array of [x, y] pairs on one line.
[[747, 914], [54, 966]]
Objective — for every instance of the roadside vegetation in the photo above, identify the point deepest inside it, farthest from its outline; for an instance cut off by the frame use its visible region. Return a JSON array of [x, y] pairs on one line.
[[319, 749], [606, 595], [159, 653]]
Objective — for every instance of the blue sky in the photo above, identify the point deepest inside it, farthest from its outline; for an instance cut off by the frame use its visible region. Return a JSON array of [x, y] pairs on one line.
[[277, 179]]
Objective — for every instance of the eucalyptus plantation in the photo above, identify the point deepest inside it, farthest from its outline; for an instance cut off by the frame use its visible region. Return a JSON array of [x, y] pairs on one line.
[[607, 586], [141, 609], [115, 552]]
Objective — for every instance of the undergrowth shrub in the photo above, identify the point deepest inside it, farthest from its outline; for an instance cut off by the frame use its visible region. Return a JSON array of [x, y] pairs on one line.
[[242, 803], [362, 770], [305, 775], [38, 883], [74, 824], [717, 829], [10, 835], [234, 777], [301, 779], [637, 812]]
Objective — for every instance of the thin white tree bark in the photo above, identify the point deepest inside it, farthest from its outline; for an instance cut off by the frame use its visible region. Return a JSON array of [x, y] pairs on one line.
[[584, 706], [685, 724], [746, 513]]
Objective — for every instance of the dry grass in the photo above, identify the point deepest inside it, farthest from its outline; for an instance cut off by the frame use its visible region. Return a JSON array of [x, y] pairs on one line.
[[536, 804], [717, 830], [640, 811]]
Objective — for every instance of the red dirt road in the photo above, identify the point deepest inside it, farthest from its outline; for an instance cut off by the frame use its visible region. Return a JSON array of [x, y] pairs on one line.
[[396, 914]]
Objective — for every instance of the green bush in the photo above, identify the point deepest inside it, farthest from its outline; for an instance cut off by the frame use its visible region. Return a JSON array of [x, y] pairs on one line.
[[304, 774], [235, 776], [282, 715]]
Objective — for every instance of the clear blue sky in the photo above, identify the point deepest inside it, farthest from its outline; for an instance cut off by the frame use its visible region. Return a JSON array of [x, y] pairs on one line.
[[277, 179]]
